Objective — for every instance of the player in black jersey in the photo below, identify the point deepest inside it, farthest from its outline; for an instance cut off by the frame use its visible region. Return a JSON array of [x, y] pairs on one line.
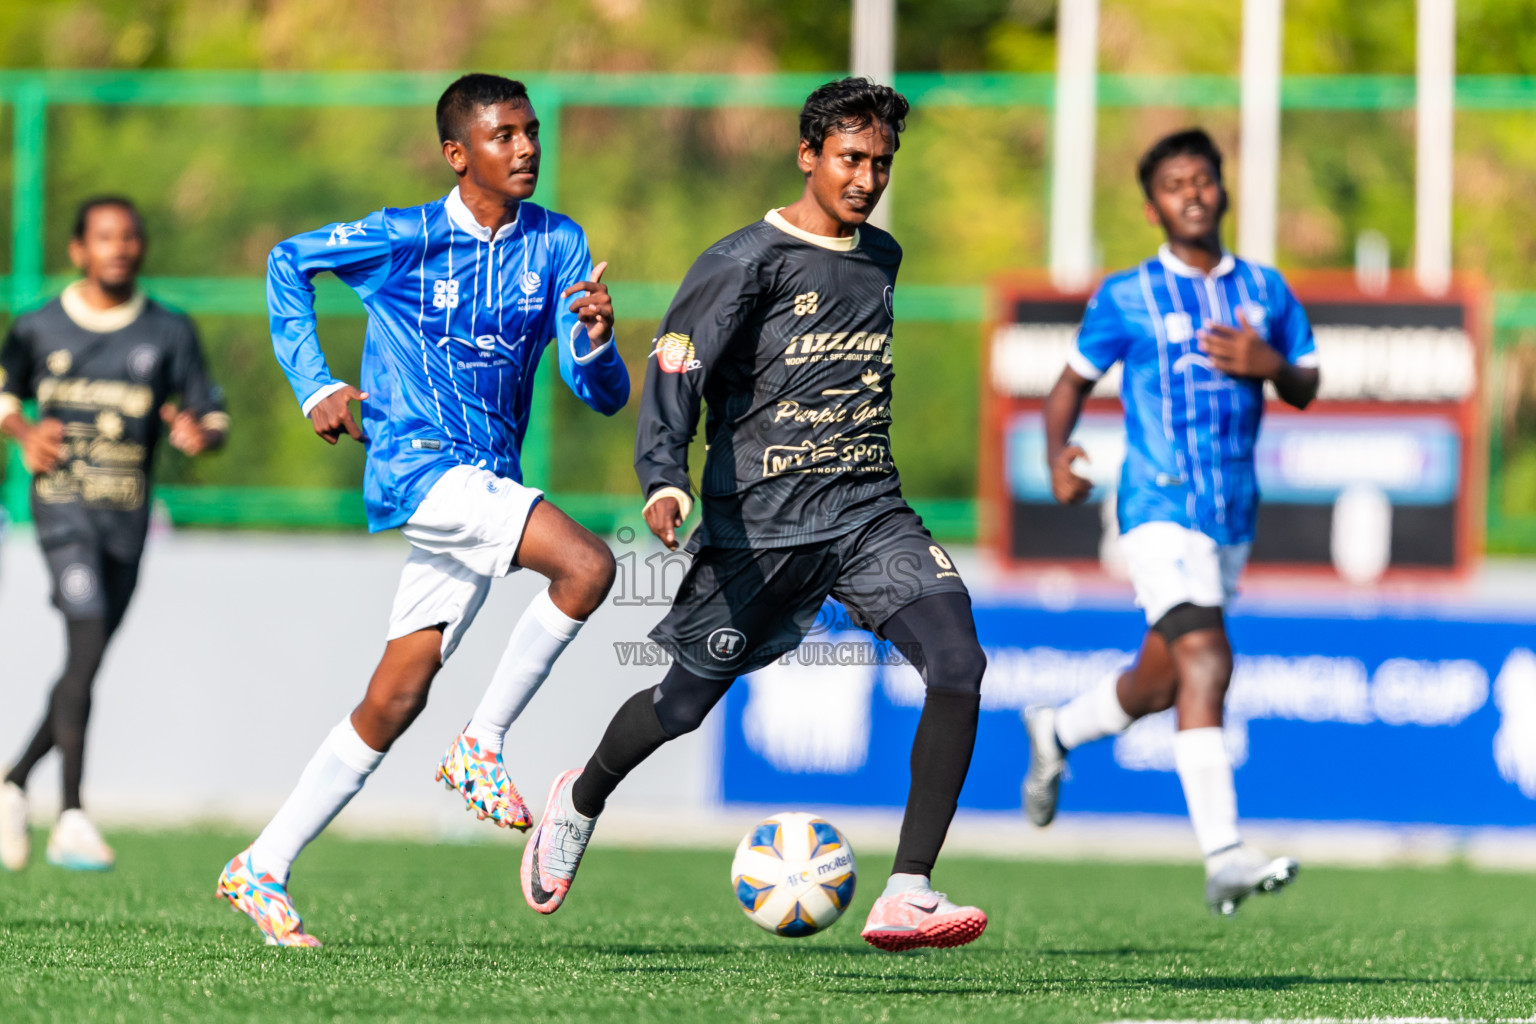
[[103, 363], [784, 330]]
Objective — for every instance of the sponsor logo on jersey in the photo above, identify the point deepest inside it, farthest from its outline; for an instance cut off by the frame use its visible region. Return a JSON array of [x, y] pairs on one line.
[[59, 362], [529, 282], [77, 583], [141, 363], [445, 293], [726, 644], [890, 302], [341, 234], [483, 342], [674, 353], [806, 303], [1179, 328], [1189, 360]]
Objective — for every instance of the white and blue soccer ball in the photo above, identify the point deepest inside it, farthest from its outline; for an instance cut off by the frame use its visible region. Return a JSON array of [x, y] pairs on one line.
[[794, 874]]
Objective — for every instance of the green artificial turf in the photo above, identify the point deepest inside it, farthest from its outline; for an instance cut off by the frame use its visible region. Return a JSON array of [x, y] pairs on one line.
[[416, 932]]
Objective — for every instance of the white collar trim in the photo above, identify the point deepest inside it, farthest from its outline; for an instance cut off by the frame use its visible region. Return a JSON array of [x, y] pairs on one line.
[[836, 244], [101, 321], [1224, 267], [465, 221]]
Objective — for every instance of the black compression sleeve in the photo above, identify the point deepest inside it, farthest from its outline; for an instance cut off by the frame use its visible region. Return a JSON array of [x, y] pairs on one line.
[[632, 736], [69, 709], [938, 634]]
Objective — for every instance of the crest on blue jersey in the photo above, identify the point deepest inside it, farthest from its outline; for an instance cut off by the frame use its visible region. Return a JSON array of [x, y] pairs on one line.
[[1258, 318]]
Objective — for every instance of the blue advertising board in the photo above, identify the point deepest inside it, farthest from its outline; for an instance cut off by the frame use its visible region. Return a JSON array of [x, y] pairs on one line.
[[1416, 717]]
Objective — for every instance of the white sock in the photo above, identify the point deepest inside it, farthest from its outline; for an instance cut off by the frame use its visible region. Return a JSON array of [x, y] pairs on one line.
[[1205, 771], [332, 777], [536, 641], [897, 884], [1092, 714]]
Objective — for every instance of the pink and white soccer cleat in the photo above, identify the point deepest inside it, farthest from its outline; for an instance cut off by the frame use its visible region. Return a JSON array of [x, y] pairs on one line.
[[553, 852], [908, 920], [264, 900], [478, 775]]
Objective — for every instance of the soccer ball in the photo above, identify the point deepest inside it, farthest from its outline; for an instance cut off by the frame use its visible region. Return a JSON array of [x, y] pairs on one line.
[[794, 874]]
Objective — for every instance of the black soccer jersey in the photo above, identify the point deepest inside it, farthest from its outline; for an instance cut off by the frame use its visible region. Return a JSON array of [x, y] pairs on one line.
[[107, 386], [788, 341]]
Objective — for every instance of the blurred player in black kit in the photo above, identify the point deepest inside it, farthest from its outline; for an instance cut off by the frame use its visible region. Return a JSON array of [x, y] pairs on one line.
[[103, 363], [784, 330]]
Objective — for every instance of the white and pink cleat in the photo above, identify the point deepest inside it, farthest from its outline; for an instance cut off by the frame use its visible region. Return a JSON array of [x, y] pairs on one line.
[[553, 852], [909, 920]]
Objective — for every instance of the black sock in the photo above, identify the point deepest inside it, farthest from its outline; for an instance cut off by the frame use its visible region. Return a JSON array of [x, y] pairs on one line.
[[69, 708], [941, 756], [632, 736]]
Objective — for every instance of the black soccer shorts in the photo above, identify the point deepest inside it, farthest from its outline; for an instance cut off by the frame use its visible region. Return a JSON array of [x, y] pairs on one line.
[[90, 582], [738, 609]]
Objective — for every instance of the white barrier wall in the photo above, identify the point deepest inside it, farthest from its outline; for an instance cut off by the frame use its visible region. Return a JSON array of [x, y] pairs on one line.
[[242, 650]]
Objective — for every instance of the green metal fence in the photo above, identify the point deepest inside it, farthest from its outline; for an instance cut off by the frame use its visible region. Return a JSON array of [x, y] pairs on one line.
[[30, 94]]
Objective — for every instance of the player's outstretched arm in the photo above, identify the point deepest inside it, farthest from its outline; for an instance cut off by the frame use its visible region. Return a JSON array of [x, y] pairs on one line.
[[1063, 406], [716, 297], [42, 443], [360, 254], [1240, 352], [589, 360]]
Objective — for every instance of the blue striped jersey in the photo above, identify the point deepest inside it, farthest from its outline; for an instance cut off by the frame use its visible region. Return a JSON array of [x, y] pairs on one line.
[[1190, 429], [457, 320]]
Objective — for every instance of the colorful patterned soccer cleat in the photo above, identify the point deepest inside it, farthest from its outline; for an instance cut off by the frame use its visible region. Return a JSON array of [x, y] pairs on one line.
[[553, 852], [908, 920], [478, 775], [264, 900]]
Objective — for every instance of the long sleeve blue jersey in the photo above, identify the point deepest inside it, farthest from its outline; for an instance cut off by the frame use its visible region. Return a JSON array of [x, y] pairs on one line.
[[1190, 429], [457, 320]]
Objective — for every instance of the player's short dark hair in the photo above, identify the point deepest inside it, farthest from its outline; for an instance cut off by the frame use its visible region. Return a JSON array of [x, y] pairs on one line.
[[1189, 142], [851, 105], [83, 213], [461, 99]]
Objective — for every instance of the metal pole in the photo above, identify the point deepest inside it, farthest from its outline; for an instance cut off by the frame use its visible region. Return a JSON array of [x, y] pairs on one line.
[[28, 154], [1435, 110], [1073, 136], [1259, 182], [872, 54]]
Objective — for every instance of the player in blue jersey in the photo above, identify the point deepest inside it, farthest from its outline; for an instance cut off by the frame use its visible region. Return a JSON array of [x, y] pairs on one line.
[[1198, 333], [462, 295]]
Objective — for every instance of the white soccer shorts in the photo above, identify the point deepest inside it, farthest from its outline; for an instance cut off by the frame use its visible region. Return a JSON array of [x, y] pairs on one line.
[[1172, 565], [464, 533]]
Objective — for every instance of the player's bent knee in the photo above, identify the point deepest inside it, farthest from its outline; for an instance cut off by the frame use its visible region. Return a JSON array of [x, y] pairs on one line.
[[1187, 618], [957, 668], [684, 700]]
